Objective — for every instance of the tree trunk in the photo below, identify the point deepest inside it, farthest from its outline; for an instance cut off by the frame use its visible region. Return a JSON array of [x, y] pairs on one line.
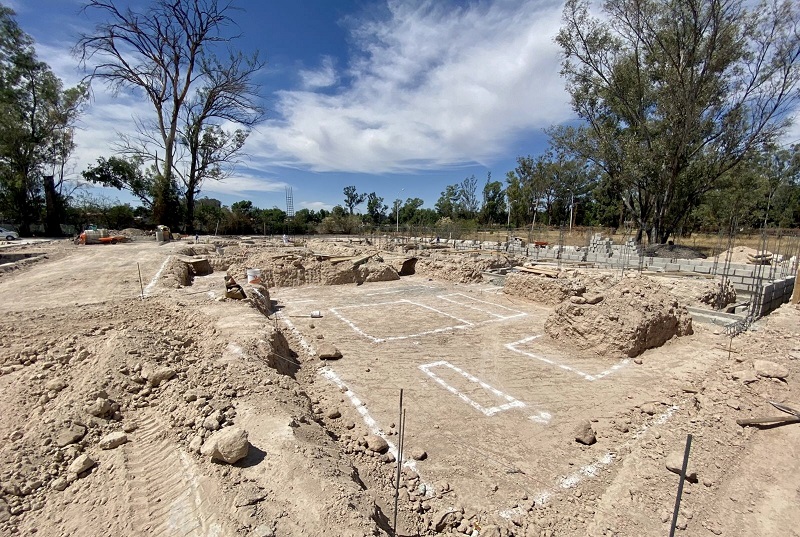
[[52, 221], [189, 222]]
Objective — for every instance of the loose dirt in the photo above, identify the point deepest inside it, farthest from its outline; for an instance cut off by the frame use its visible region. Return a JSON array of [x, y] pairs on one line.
[[109, 403]]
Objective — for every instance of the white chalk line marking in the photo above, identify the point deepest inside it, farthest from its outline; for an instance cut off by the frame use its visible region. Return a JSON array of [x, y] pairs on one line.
[[403, 290], [369, 421], [153, 282], [586, 376], [516, 313], [593, 469], [464, 324], [293, 329], [512, 402]]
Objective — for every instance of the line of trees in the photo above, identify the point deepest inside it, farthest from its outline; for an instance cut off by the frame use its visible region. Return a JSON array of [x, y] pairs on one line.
[[682, 107]]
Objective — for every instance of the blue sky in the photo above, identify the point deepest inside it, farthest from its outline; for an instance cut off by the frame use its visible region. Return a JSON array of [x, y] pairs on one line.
[[411, 95]]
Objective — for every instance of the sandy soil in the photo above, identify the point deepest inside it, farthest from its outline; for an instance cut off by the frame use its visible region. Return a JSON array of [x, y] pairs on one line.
[[492, 405]]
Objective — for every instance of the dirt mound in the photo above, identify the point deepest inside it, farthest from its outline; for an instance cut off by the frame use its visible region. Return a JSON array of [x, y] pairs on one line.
[[303, 267], [553, 291], [635, 315], [461, 268], [746, 255], [700, 292], [673, 251]]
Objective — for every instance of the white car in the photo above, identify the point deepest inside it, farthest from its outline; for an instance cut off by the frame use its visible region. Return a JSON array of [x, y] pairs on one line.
[[7, 234]]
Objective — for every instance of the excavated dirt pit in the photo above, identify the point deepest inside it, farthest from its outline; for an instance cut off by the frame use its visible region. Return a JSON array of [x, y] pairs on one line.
[[493, 406]]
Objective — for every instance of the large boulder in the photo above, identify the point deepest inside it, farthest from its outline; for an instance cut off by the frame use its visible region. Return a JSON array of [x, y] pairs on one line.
[[227, 445]]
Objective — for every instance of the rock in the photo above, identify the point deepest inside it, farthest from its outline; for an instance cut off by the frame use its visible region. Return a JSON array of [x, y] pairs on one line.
[[593, 299], [334, 414], [55, 385], [81, 464], [211, 422], [377, 444], [577, 300], [262, 530], [156, 375], [419, 454], [113, 440], [674, 464], [196, 443], [765, 368], [585, 434], [747, 376], [350, 425], [70, 435], [100, 408], [130, 426], [228, 445], [649, 408], [327, 351], [445, 519], [59, 484], [249, 495]]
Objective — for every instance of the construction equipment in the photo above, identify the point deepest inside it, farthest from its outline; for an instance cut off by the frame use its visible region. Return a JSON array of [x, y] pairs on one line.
[[99, 236]]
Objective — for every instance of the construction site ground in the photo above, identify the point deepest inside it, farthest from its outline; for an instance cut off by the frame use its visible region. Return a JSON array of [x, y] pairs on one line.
[[492, 401]]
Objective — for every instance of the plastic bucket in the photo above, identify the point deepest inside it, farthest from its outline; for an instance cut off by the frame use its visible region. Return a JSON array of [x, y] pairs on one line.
[[253, 275], [159, 236]]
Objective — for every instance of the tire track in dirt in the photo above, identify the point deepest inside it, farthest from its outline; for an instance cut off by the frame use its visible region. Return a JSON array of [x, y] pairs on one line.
[[166, 493]]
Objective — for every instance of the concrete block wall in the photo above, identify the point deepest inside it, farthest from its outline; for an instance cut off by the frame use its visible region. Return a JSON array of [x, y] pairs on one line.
[[775, 293]]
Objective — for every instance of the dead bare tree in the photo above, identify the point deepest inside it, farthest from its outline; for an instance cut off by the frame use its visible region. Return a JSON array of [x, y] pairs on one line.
[[167, 52]]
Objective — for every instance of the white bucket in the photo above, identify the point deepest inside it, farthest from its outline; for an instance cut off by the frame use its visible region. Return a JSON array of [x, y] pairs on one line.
[[253, 275]]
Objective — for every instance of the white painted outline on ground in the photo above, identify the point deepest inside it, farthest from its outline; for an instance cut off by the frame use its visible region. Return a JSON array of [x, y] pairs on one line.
[[464, 323], [369, 421], [539, 417], [153, 282], [293, 329], [351, 324], [593, 469], [586, 376], [403, 290], [500, 317]]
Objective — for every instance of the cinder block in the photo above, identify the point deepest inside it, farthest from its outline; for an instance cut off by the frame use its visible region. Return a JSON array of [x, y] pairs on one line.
[[702, 269]]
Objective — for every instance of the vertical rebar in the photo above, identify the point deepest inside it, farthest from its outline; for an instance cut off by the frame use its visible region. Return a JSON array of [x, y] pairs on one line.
[[399, 463], [680, 485], [141, 284]]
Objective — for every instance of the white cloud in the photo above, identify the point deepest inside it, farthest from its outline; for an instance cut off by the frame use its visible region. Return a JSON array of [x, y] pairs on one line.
[[434, 85], [315, 205], [241, 183], [323, 77]]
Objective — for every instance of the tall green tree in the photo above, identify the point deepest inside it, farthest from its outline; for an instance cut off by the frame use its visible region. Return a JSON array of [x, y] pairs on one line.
[[493, 210], [352, 198], [37, 117], [675, 94], [376, 209], [169, 53]]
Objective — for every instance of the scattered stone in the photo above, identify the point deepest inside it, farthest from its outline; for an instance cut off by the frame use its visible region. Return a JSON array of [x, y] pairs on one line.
[[249, 494], [156, 375], [327, 351], [100, 408], [262, 530], [747, 376], [350, 425], [55, 385], [765, 368], [674, 463], [59, 484], [649, 408], [637, 361], [585, 434], [130, 426], [113, 440], [419, 454], [70, 435], [228, 445], [377, 444], [81, 464], [449, 518], [334, 414]]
